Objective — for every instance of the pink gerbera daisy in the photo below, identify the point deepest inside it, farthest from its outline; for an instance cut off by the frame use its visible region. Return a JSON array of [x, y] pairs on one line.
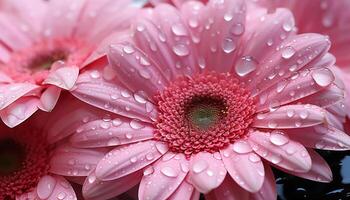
[[36, 155], [209, 97], [45, 44]]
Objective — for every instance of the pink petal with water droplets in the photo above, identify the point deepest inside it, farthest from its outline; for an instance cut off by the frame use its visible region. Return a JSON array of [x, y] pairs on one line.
[[64, 77], [290, 117], [300, 85], [114, 132], [109, 95], [11, 92], [319, 171], [294, 55], [269, 35], [54, 187], [321, 137], [168, 172], [49, 98], [206, 172], [219, 49], [134, 69], [244, 166], [125, 160], [184, 191], [268, 190], [166, 39], [281, 151], [19, 111], [70, 161], [228, 190], [95, 189], [326, 98]]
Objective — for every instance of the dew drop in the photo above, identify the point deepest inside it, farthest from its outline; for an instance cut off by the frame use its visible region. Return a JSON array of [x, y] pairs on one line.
[[269, 42], [242, 147], [179, 29], [181, 50], [288, 52], [290, 113], [323, 77], [169, 172], [136, 124], [278, 138], [281, 85], [228, 45], [148, 171], [133, 159], [275, 159], [254, 158], [272, 124], [228, 17], [95, 74], [116, 122], [304, 114], [287, 26], [245, 65], [61, 195], [128, 49], [237, 29], [199, 166]]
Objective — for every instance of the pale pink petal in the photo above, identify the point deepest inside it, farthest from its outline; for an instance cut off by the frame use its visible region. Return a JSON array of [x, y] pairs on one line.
[[95, 189], [19, 111], [54, 187], [291, 117], [294, 55], [268, 190], [135, 69], [11, 92], [5, 56], [244, 166], [64, 77], [122, 161], [228, 190], [166, 39], [279, 150], [328, 97], [62, 17], [334, 120], [70, 161], [218, 49], [168, 172], [269, 35], [184, 191], [321, 137], [319, 171], [206, 172], [94, 89], [300, 85], [49, 98], [114, 132]]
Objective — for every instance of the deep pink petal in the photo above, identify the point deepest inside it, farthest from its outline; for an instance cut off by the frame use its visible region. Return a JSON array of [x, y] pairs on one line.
[[101, 133], [95, 189], [19, 111], [290, 117], [206, 172], [281, 151], [70, 161], [125, 160], [244, 166], [168, 172], [228, 190]]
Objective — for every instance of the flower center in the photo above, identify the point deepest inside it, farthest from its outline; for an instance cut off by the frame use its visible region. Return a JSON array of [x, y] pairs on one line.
[[203, 113], [11, 156], [24, 159], [34, 63]]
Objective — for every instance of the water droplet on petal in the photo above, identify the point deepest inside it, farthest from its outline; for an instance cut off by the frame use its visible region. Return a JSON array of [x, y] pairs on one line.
[[304, 114], [323, 77], [278, 138], [245, 65], [148, 171], [287, 26], [254, 158], [242, 147], [181, 50], [136, 124], [275, 159], [228, 17], [228, 45], [290, 113], [288, 52], [272, 124], [95, 74], [237, 29], [128, 49], [179, 29], [169, 171], [199, 166]]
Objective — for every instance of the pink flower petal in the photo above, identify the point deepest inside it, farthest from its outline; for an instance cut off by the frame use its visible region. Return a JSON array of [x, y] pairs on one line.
[[168, 172], [108, 95], [184, 191], [166, 39], [319, 171], [49, 98], [5, 56], [228, 190], [295, 55], [135, 69], [29, 195], [244, 166], [126, 160], [206, 172], [268, 190], [279, 150], [54, 187], [300, 85], [290, 117], [11, 92], [95, 189], [70, 161], [64, 77], [325, 98], [321, 137], [19, 111], [114, 132]]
